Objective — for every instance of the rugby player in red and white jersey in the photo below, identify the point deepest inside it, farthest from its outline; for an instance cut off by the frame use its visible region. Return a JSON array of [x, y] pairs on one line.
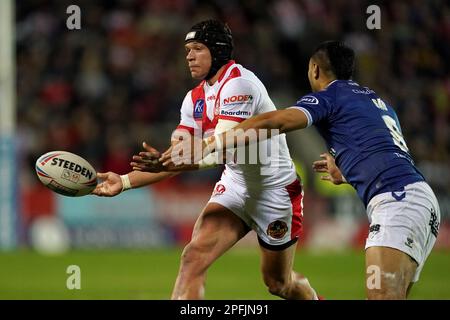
[[265, 195]]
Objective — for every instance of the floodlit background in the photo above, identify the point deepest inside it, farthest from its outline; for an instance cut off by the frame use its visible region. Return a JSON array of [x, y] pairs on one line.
[[119, 80]]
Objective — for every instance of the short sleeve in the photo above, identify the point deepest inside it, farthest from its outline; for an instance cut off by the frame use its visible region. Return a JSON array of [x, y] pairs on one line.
[[187, 121], [239, 99], [316, 106]]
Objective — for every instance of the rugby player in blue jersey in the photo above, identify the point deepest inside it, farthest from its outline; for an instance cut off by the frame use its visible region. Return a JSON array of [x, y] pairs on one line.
[[368, 151]]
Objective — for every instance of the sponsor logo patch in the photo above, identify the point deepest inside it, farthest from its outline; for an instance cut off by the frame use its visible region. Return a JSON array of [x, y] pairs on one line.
[[238, 99], [309, 100], [198, 109], [235, 113], [363, 91], [277, 229]]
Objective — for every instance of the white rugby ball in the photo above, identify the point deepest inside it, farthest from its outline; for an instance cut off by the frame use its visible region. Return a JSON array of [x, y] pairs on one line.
[[66, 173]]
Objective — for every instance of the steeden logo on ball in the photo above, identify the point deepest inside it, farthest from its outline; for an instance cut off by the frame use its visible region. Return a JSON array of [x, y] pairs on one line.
[[66, 173]]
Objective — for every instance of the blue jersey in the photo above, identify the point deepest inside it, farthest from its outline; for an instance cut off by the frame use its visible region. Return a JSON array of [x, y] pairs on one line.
[[363, 133]]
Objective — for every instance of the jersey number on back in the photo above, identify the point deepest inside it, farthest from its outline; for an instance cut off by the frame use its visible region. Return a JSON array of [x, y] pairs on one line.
[[395, 133], [392, 126]]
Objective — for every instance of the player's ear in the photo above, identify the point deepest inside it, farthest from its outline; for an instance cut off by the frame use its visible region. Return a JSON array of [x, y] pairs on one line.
[[316, 71]]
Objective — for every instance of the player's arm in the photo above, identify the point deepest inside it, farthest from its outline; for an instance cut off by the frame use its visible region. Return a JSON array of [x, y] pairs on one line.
[[327, 165], [178, 157], [274, 122], [113, 183], [308, 110], [283, 120], [279, 121]]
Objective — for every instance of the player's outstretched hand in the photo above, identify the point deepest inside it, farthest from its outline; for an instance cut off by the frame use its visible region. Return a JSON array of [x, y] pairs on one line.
[[110, 186], [186, 152], [327, 165], [166, 157], [147, 160]]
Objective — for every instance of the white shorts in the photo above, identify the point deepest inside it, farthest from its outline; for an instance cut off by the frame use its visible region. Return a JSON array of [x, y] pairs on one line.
[[405, 220], [275, 214]]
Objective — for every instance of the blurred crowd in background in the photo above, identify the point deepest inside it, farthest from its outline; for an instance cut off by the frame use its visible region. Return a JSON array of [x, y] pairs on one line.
[[120, 80]]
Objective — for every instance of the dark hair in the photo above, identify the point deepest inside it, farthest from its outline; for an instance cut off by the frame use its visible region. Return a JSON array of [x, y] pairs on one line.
[[335, 57]]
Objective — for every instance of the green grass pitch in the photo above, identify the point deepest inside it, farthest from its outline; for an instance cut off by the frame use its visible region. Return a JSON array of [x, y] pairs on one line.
[[150, 274]]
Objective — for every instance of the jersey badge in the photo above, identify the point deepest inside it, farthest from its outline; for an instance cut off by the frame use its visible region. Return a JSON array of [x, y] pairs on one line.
[[198, 109], [277, 229]]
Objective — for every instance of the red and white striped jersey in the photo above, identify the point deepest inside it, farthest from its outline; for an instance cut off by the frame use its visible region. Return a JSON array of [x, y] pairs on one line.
[[238, 95]]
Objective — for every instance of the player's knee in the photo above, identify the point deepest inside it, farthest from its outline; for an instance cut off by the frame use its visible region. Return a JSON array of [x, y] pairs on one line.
[[392, 294], [190, 254], [389, 290], [277, 286], [194, 255], [392, 286]]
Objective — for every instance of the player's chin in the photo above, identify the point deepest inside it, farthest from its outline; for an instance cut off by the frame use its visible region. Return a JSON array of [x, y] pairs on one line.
[[197, 75]]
